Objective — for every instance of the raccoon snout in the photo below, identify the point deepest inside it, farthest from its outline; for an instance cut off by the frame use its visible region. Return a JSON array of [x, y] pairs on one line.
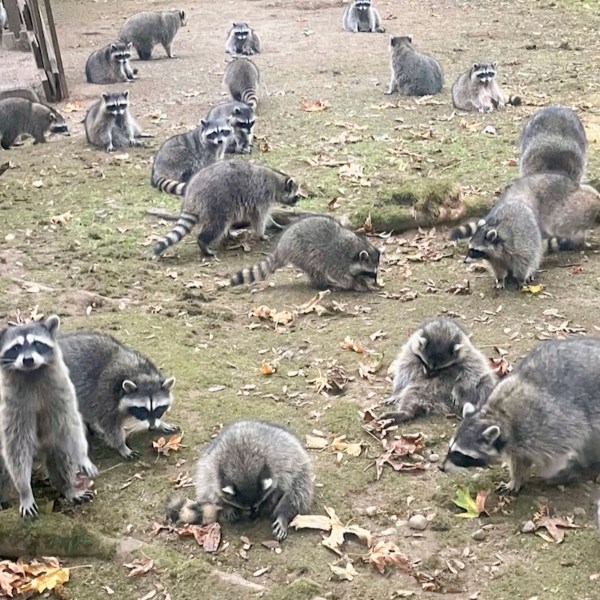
[[28, 361]]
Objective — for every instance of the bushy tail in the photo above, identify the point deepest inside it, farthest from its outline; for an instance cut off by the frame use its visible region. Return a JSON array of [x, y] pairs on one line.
[[182, 510], [171, 186], [560, 244], [258, 272], [466, 230], [514, 101], [250, 98], [184, 225]]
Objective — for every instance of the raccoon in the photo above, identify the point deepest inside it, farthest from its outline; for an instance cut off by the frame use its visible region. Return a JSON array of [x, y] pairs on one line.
[[109, 123], [438, 370], [251, 468], [554, 140], [413, 73], [145, 29], [184, 154], [4, 167], [241, 118], [545, 413], [119, 390], [242, 40], [19, 116], [241, 79], [225, 193], [329, 254], [361, 15], [3, 20], [478, 90], [39, 412], [21, 93], [110, 64]]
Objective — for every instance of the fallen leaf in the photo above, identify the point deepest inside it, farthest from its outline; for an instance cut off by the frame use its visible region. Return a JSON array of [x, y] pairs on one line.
[[315, 106], [340, 444], [207, 536], [73, 107], [350, 344], [333, 382], [387, 554], [267, 368], [396, 449], [533, 289], [49, 580], [140, 566], [369, 366], [61, 219], [163, 446], [316, 443], [554, 525], [473, 507], [347, 573], [313, 304]]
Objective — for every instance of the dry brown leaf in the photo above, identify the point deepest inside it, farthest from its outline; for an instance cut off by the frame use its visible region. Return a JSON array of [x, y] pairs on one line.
[[140, 566], [61, 219], [350, 344], [207, 536], [164, 446], [387, 554], [73, 107], [554, 525], [314, 442], [396, 449], [460, 289], [313, 304], [340, 444], [282, 317], [500, 366], [314, 106], [267, 368], [333, 382], [369, 366]]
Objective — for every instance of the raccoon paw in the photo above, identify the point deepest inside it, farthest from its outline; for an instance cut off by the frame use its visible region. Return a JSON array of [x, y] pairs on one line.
[[506, 489], [229, 514], [169, 428], [28, 509], [129, 454], [110, 148], [89, 469], [280, 529], [76, 496]]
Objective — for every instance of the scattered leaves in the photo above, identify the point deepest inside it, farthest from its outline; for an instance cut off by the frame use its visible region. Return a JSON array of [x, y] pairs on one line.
[[164, 446], [460, 289], [554, 525], [314, 106], [73, 107], [387, 554], [473, 507], [207, 536], [395, 450], [369, 366], [283, 317], [35, 576], [350, 344], [140, 566], [333, 382], [314, 442]]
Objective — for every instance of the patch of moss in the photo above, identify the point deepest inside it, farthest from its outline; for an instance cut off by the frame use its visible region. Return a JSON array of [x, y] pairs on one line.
[[301, 589]]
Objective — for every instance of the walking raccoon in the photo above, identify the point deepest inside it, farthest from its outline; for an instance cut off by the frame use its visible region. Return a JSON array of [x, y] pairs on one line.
[[241, 39], [438, 370], [413, 73], [361, 15], [146, 29], [225, 193], [554, 140], [241, 119], [241, 79], [329, 254], [119, 390], [110, 64], [544, 414], [251, 468]]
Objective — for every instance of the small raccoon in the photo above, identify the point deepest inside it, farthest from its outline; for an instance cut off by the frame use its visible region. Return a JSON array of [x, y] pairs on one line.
[[478, 90], [109, 123], [225, 193], [145, 29], [413, 73], [242, 40], [183, 155], [110, 64], [19, 116], [554, 140], [251, 468], [119, 390], [21, 93], [329, 254], [38, 414], [438, 370], [545, 413], [241, 79], [361, 15], [241, 118]]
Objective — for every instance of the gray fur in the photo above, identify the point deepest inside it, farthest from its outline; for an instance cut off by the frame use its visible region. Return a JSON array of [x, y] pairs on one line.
[[146, 29], [20, 116], [241, 118], [225, 193], [241, 79], [113, 382], [413, 73], [438, 370], [21, 93], [251, 468], [330, 255], [38, 414], [546, 414], [242, 39], [110, 64], [554, 140], [361, 16], [3, 20]]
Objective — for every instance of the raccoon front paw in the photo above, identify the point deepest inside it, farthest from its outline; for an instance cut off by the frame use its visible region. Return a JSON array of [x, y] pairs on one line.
[[507, 489], [499, 284], [129, 454], [264, 237], [380, 30], [280, 529], [169, 428], [229, 514], [28, 509], [110, 148], [396, 417], [76, 496], [89, 469]]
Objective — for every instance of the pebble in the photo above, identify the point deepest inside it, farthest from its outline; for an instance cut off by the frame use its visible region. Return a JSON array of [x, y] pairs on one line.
[[418, 523], [579, 512], [433, 457], [528, 527], [389, 531], [479, 535], [371, 511]]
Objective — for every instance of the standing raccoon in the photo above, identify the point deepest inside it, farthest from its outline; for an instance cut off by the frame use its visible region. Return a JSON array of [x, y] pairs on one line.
[[554, 140], [413, 73], [478, 90], [110, 64], [242, 40], [184, 154], [241, 118], [19, 116], [225, 193], [438, 370], [119, 390], [329, 254], [38, 414], [146, 29], [251, 468], [545, 414], [241, 79], [361, 16]]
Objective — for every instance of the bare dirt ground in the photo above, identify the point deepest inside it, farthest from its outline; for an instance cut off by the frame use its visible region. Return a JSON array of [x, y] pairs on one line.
[[75, 242]]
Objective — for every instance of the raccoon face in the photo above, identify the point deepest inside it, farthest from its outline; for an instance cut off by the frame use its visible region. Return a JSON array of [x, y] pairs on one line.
[[116, 104], [144, 403], [29, 347], [290, 195], [215, 133], [183, 17], [120, 52], [365, 265], [241, 31], [247, 493], [363, 4], [484, 72], [57, 124], [436, 352], [485, 244]]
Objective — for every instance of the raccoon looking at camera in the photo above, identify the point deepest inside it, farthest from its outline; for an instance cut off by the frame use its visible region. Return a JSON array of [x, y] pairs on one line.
[[110, 64], [241, 118], [241, 39], [361, 16], [241, 80], [438, 370]]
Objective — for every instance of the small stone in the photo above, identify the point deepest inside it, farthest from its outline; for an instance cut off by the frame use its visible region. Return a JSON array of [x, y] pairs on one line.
[[370, 511], [389, 531], [433, 457], [488, 527], [418, 523], [579, 512], [528, 527], [479, 535]]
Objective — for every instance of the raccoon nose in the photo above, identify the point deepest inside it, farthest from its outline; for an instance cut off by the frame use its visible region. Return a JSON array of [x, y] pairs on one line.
[[152, 426], [28, 361]]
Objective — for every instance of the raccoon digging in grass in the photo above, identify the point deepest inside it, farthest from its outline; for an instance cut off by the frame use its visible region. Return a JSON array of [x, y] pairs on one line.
[[554, 140], [184, 154], [19, 116], [242, 40], [361, 16], [241, 118], [119, 390], [251, 469], [39, 415], [225, 193], [110, 64], [241, 80], [21, 93], [330, 255], [545, 414], [478, 90], [146, 29], [438, 370], [413, 73]]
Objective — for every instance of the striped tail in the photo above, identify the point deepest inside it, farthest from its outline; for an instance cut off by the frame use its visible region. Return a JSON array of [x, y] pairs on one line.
[[466, 230], [184, 225], [181, 510], [258, 272], [171, 186], [250, 98], [514, 101], [560, 244]]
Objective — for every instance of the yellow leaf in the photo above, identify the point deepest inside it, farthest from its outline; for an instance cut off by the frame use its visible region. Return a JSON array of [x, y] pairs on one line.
[[163, 446], [316, 443], [534, 289], [350, 344], [48, 581]]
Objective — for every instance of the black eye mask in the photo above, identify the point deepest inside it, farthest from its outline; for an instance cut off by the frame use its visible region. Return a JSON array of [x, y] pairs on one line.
[[464, 460], [473, 253]]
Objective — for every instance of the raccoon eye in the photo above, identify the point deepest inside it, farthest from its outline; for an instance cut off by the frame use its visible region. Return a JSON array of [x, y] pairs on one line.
[[139, 413], [41, 348], [12, 353], [157, 413]]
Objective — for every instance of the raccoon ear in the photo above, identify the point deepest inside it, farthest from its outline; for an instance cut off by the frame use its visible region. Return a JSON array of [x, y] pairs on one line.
[[457, 348], [167, 384], [267, 483], [126, 93], [491, 235], [363, 256], [113, 46], [130, 45], [475, 66], [410, 38], [393, 41], [491, 434], [182, 15], [421, 341], [468, 409], [52, 117], [237, 110], [203, 122], [129, 386], [290, 184], [52, 324], [105, 96], [228, 489], [494, 64]]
